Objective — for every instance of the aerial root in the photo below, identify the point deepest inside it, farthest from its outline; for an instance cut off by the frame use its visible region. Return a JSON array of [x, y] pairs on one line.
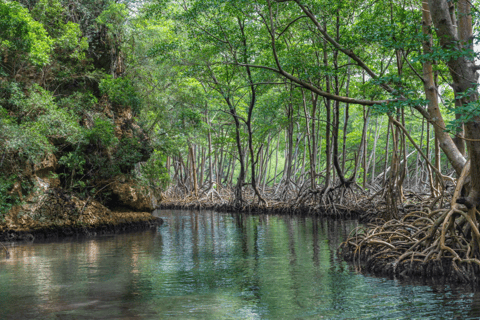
[[417, 244], [335, 202], [441, 242]]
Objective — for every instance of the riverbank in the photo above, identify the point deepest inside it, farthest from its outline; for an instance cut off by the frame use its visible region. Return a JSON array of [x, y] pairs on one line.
[[115, 222], [55, 214], [334, 203]]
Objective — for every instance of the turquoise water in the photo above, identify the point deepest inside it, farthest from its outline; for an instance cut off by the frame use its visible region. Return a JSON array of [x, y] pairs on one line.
[[207, 265]]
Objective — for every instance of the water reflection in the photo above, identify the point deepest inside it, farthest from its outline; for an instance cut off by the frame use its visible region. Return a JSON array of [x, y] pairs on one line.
[[213, 266]]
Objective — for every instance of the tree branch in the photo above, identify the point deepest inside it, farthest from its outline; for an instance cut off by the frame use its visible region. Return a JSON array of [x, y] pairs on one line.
[[314, 89]]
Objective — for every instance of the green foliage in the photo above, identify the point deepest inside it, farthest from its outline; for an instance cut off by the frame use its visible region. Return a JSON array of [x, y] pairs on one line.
[[27, 138], [73, 161], [79, 102], [7, 200], [66, 34], [466, 110], [393, 106], [51, 14], [113, 19], [72, 41], [41, 119], [100, 155], [25, 141], [90, 156], [153, 172], [445, 54], [120, 91], [189, 117], [113, 16], [21, 35], [127, 154], [102, 133]]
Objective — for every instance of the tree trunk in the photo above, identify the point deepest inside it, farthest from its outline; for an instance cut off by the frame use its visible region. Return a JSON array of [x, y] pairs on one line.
[[374, 151], [202, 167], [310, 139], [289, 151], [345, 121], [386, 154], [168, 165], [194, 170], [210, 164], [465, 79], [464, 34], [365, 147], [459, 68], [276, 160], [234, 162]]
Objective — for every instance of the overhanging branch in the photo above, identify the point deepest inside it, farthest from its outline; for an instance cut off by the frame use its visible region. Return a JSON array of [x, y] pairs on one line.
[[314, 89]]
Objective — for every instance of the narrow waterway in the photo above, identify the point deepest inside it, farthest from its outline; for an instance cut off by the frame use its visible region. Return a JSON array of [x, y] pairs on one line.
[[208, 265]]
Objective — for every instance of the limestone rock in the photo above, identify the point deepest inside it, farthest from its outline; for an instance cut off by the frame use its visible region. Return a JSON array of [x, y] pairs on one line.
[[133, 196], [53, 207], [45, 171], [49, 163]]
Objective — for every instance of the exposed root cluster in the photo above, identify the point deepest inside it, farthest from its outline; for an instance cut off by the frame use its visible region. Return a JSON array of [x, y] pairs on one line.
[[423, 243], [315, 202], [442, 242]]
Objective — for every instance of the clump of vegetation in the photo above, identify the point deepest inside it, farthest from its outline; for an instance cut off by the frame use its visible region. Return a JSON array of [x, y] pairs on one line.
[[64, 100]]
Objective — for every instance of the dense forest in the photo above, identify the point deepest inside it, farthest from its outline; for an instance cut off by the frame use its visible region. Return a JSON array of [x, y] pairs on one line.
[[363, 108]]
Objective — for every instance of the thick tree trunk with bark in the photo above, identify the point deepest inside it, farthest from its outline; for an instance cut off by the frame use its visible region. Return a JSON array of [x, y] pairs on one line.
[[444, 140], [465, 78]]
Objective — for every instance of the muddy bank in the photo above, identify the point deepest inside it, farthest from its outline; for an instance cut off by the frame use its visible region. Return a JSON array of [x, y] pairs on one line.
[[54, 213], [101, 228]]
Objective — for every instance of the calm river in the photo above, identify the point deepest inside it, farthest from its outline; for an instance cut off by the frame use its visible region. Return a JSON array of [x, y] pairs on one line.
[[208, 265]]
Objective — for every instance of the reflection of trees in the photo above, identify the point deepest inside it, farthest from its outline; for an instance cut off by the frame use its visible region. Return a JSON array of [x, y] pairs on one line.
[[274, 265]]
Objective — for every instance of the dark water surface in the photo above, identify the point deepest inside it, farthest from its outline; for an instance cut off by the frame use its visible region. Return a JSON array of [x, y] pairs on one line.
[[207, 265]]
